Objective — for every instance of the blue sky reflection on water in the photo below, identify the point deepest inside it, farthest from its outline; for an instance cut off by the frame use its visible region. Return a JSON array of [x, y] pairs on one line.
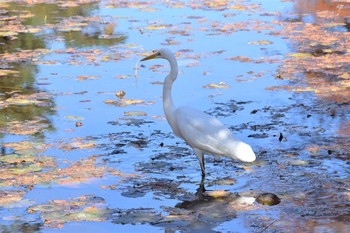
[[190, 80], [69, 92]]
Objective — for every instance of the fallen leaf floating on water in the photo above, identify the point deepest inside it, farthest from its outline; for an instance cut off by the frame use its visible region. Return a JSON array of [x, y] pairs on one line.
[[124, 102], [74, 118], [239, 7], [9, 35], [71, 26], [260, 42], [345, 75], [220, 85], [240, 58], [77, 143], [22, 160], [8, 72], [27, 147], [39, 99], [135, 113], [298, 163], [300, 55], [123, 76], [23, 55], [157, 27], [85, 77], [25, 127], [18, 169]]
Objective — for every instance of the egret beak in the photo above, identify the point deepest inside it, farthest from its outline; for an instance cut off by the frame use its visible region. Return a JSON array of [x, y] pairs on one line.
[[155, 55]]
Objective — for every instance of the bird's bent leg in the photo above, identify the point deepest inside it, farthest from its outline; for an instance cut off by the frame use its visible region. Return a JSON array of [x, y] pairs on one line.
[[200, 157]]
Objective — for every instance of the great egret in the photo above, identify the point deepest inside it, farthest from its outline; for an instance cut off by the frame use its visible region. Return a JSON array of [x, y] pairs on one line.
[[204, 133]]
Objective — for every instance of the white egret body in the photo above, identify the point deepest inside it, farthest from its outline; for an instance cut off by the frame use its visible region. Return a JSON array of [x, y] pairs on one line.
[[204, 133]]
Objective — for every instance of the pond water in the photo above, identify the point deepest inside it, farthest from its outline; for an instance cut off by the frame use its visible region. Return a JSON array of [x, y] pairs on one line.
[[85, 144]]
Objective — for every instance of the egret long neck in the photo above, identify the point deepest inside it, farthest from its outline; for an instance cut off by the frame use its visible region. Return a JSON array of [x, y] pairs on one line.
[[168, 104]]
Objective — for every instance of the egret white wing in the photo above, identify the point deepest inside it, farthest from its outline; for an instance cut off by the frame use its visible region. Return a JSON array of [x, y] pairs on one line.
[[202, 131]]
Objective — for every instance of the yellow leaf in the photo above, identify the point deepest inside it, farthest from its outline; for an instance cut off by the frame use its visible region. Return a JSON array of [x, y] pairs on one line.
[[33, 30], [128, 101], [123, 102], [74, 118], [260, 42], [8, 34], [135, 113], [298, 163], [20, 101], [334, 24], [155, 27], [85, 77], [8, 72], [219, 85], [299, 55], [238, 7], [345, 83], [345, 75], [105, 58], [240, 58]]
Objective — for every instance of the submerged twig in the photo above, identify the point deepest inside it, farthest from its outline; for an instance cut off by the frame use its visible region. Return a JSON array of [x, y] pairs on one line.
[[268, 226]]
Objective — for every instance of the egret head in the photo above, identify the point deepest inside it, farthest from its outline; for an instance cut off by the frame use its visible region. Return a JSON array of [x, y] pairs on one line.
[[244, 152], [162, 53], [170, 57]]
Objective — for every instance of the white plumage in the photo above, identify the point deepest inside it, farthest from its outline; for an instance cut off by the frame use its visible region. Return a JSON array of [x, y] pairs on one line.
[[204, 133]]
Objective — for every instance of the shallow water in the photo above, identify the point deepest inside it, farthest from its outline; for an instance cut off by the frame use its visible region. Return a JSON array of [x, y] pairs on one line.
[[123, 169]]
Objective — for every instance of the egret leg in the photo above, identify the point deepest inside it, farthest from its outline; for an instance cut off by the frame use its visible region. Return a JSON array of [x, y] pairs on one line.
[[201, 190], [200, 157]]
